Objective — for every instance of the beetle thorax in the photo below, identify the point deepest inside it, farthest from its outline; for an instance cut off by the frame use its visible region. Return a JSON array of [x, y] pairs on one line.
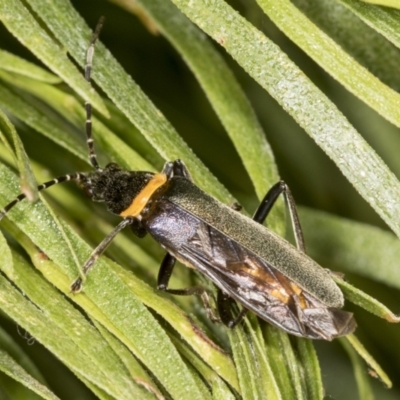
[[115, 186]]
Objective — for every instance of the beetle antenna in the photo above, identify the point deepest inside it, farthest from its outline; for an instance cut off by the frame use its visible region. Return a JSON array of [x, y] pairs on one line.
[[88, 124], [88, 105], [65, 178]]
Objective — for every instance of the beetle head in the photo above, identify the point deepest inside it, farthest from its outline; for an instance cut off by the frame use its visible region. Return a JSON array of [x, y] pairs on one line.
[[115, 186]]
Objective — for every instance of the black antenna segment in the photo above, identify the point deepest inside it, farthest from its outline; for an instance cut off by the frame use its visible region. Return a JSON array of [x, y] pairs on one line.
[[65, 178]]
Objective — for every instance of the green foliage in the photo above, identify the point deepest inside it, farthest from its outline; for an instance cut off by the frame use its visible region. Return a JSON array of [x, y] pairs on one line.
[[120, 338]]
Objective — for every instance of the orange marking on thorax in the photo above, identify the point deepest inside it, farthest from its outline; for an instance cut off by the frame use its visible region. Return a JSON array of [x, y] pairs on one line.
[[140, 201]]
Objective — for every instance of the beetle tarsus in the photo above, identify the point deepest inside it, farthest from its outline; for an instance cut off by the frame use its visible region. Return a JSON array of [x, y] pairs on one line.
[[76, 286]]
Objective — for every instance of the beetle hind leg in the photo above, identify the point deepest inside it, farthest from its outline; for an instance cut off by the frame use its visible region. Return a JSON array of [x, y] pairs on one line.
[[224, 305], [164, 275], [268, 202]]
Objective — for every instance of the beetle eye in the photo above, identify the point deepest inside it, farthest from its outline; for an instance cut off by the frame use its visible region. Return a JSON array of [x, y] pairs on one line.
[[112, 166], [88, 191]]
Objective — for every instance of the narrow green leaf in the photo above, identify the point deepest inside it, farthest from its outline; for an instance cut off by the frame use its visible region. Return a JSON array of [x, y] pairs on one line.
[[292, 363], [365, 301], [33, 320], [72, 110], [364, 386], [246, 365], [267, 382], [386, 21], [9, 135], [12, 63], [219, 388], [6, 135], [273, 70], [40, 121], [387, 3], [331, 57], [101, 394], [14, 350], [344, 245], [278, 362], [312, 371], [221, 391], [6, 257], [15, 371], [21, 23], [131, 135], [113, 377], [362, 42], [138, 374], [360, 349]]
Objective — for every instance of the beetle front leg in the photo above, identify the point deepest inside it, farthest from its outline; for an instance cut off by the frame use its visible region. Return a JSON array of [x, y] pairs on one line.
[[176, 168], [97, 252], [267, 203], [164, 275]]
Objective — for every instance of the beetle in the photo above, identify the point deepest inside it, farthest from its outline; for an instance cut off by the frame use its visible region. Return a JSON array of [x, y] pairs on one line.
[[247, 262]]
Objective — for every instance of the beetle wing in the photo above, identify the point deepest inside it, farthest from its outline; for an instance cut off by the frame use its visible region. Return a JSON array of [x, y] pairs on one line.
[[258, 286]]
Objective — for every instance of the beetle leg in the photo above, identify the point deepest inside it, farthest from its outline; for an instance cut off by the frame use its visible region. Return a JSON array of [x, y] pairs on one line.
[[176, 168], [165, 272], [236, 206], [168, 169], [181, 170], [164, 275], [224, 305], [96, 253], [267, 203]]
